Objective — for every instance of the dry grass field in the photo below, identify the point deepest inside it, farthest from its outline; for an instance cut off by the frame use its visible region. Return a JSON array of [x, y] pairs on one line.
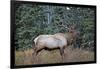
[[53, 56]]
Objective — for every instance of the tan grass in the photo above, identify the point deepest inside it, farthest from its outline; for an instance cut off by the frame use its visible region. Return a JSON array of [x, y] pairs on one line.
[[53, 56]]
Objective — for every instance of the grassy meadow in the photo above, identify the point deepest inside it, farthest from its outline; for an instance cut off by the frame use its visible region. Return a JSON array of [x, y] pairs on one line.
[[53, 56]]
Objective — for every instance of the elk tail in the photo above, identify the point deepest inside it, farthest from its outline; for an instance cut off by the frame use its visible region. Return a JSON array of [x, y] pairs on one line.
[[33, 43]]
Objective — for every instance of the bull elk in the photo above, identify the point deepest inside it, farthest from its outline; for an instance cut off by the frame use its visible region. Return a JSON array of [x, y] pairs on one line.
[[58, 40]]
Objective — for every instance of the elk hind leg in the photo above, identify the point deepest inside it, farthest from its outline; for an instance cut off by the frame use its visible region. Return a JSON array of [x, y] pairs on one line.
[[34, 54], [36, 50], [62, 53]]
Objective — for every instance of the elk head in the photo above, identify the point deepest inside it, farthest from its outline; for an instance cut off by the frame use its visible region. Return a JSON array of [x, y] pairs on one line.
[[72, 33]]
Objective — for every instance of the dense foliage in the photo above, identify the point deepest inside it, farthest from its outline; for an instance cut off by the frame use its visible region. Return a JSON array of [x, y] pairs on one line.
[[33, 19]]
